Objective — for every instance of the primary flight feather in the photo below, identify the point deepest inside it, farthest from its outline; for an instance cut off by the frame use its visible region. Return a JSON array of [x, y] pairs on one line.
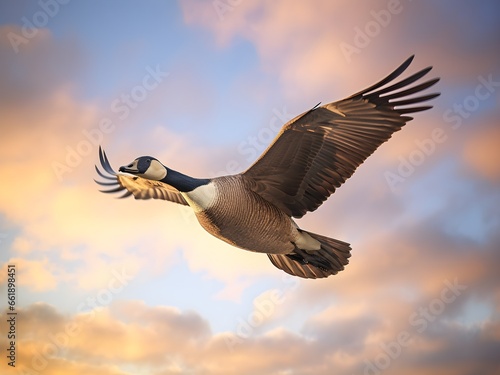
[[311, 156]]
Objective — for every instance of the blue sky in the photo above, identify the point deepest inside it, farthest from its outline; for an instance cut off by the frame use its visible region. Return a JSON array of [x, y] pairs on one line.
[[205, 86]]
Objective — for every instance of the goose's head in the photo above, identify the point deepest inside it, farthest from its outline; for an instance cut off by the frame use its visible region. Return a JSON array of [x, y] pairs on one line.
[[147, 167]]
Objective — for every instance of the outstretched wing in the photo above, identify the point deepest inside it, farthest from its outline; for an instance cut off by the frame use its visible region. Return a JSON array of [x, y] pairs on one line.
[[140, 188], [319, 150]]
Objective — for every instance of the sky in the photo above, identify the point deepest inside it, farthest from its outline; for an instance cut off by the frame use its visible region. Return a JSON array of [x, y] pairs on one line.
[[121, 287]]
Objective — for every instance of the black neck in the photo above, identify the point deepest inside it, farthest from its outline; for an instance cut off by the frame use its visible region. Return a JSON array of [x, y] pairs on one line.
[[182, 182]]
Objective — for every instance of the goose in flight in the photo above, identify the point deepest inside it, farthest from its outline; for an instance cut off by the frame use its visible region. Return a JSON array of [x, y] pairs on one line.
[[312, 155]]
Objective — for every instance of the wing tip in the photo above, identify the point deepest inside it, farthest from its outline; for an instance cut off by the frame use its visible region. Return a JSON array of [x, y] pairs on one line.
[[392, 76], [103, 158], [111, 175]]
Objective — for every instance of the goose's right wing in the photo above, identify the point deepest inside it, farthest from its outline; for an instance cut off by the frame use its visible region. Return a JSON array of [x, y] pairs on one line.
[[140, 188]]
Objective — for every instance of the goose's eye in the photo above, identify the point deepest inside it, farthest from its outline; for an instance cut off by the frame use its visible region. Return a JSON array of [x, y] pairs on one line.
[[148, 161]]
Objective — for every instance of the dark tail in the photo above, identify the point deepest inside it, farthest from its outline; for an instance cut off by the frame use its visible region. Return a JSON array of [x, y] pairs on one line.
[[312, 264]]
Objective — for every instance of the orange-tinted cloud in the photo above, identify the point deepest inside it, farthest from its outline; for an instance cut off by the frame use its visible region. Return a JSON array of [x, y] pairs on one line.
[[156, 339], [482, 153], [38, 276]]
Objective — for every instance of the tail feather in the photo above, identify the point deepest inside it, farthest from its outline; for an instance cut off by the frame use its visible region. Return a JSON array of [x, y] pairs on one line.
[[328, 260]]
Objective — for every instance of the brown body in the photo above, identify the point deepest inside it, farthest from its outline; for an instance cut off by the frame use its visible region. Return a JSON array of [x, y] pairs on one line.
[[242, 222]]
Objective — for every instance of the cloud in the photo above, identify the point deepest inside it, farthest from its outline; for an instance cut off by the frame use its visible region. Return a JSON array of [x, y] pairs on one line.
[[302, 42], [161, 338], [271, 31], [44, 63], [38, 276]]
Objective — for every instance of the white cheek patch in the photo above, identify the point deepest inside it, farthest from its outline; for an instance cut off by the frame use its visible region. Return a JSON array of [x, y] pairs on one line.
[[201, 198], [156, 171]]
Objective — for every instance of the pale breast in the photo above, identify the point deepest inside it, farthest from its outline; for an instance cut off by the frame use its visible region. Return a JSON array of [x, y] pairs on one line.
[[202, 198], [231, 211]]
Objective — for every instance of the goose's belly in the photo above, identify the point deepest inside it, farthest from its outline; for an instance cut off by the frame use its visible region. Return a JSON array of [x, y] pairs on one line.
[[250, 229], [243, 219]]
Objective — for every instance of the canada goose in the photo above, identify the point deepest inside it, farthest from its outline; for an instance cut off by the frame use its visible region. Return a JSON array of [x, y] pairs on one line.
[[312, 155]]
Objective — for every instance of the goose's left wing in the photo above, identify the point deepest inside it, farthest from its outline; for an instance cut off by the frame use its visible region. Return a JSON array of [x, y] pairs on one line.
[[319, 150], [140, 188]]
